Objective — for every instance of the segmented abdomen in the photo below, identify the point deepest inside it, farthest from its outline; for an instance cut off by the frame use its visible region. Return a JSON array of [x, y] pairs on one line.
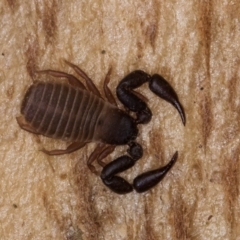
[[61, 111]]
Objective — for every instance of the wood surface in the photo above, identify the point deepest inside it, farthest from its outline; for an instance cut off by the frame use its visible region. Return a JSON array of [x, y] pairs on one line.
[[195, 45]]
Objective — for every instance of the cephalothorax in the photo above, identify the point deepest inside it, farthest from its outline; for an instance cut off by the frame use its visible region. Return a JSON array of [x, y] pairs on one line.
[[70, 111]]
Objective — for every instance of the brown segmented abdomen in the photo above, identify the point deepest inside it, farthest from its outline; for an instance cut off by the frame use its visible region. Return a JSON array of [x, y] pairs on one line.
[[62, 111]]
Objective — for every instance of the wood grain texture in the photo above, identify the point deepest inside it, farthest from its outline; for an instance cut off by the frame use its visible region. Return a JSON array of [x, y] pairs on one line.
[[195, 46]]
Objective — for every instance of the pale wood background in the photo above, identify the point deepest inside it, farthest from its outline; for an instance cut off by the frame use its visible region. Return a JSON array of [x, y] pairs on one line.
[[193, 44]]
